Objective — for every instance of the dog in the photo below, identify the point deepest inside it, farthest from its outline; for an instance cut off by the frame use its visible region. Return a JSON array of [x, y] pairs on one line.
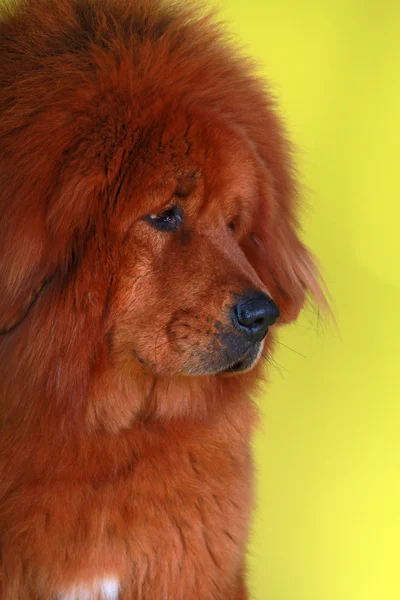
[[149, 250]]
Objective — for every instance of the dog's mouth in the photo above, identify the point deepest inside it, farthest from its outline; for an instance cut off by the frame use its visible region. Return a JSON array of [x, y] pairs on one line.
[[241, 365], [236, 360], [246, 362]]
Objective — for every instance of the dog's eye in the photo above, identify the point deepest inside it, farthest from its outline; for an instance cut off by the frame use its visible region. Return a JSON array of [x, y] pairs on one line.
[[169, 220]]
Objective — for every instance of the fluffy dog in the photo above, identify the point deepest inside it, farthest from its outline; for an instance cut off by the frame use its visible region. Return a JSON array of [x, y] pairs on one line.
[[148, 243]]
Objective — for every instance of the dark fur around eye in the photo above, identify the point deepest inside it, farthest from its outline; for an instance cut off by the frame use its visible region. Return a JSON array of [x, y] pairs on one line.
[[234, 224]]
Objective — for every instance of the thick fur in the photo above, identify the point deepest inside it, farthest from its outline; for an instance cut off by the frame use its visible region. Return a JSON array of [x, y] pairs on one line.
[[124, 471]]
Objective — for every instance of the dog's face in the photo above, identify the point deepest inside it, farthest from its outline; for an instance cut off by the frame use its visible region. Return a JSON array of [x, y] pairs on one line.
[[179, 254], [189, 299]]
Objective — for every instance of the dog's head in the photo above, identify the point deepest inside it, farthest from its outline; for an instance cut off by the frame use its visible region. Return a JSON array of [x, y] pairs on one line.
[[195, 292], [147, 197]]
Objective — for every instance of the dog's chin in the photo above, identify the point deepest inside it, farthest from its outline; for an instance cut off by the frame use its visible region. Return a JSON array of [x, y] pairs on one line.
[[246, 362], [228, 364]]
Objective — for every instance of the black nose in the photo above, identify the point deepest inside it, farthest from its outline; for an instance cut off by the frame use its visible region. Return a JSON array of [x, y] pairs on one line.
[[254, 313]]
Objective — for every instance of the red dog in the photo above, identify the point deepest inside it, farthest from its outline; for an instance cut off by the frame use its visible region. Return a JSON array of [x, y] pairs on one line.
[[146, 222]]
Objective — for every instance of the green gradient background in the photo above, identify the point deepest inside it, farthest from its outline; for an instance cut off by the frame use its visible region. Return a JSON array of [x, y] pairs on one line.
[[327, 525]]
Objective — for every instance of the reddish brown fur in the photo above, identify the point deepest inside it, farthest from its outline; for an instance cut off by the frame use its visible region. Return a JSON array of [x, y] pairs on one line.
[[108, 466]]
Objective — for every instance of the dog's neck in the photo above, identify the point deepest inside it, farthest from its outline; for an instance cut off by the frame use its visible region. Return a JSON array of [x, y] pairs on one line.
[[119, 399]]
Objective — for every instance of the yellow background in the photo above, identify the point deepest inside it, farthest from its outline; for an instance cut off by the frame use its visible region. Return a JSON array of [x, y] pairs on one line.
[[328, 520]]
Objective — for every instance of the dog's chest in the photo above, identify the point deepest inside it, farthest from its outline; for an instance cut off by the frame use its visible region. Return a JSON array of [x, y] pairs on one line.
[[102, 589], [149, 530], [180, 518]]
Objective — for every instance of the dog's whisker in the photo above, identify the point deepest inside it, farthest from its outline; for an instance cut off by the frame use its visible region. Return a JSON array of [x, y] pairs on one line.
[[271, 361], [289, 348]]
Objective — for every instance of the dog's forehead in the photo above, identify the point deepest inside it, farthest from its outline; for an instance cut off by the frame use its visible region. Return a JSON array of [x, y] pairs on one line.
[[229, 171], [197, 160], [207, 149]]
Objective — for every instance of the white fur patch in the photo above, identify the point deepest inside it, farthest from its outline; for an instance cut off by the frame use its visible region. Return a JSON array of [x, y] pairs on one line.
[[102, 589]]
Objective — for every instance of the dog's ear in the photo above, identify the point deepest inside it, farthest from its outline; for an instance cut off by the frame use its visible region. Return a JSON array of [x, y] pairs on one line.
[[284, 264], [290, 270], [44, 223], [24, 270], [39, 242], [54, 173], [16, 305]]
